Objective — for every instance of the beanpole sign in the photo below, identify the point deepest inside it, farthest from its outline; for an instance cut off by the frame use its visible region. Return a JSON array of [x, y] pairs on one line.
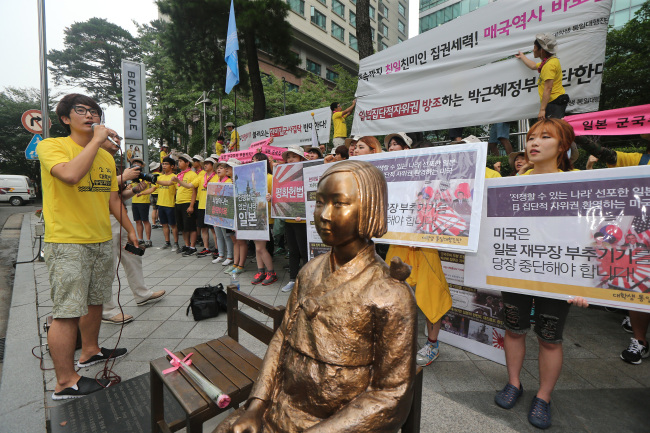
[[132, 99]]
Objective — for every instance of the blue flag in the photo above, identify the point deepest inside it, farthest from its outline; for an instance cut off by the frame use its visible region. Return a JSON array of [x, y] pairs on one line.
[[232, 46]]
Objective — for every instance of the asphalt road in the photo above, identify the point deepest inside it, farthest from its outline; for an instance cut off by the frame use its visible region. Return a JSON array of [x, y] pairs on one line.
[[6, 209]]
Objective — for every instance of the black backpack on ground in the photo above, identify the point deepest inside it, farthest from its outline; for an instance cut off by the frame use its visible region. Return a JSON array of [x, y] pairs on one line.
[[206, 302]]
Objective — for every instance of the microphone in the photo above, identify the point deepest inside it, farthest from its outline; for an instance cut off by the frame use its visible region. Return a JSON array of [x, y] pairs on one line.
[[109, 138]]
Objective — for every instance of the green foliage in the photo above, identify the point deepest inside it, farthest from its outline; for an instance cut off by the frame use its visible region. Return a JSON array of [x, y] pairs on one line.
[[92, 58], [627, 62], [13, 137]]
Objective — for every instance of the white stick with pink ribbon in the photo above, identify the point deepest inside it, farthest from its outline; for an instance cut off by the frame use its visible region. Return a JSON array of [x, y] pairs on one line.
[[222, 400]]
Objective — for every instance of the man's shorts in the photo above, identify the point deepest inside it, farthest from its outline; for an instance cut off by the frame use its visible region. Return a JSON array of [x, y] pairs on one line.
[[200, 219], [167, 215], [153, 199], [338, 141], [499, 130], [140, 211], [550, 315], [80, 275], [185, 222]]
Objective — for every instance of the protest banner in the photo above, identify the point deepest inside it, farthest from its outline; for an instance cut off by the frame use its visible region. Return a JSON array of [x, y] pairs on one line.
[[620, 121], [252, 218], [220, 205], [288, 201], [496, 31], [475, 321], [568, 234], [479, 93], [293, 129], [262, 146], [311, 175]]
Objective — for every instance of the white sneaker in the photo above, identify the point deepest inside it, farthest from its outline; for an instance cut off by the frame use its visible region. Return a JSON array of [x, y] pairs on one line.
[[217, 260], [289, 286], [226, 262]]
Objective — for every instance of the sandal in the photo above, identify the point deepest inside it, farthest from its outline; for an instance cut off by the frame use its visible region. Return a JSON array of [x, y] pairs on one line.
[[508, 396], [540, 413]]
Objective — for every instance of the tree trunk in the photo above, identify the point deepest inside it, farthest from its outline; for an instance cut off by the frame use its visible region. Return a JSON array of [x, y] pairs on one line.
[[259, 100], [364, 36]]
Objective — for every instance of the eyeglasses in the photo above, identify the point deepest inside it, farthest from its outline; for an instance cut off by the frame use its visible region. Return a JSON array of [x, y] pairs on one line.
[[81, 110]]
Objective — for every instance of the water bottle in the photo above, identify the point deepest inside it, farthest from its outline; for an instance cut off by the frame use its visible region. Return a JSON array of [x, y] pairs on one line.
[[234, 279]]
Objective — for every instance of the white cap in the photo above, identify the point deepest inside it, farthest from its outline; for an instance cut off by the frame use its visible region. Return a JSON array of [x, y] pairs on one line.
[[402, 135]]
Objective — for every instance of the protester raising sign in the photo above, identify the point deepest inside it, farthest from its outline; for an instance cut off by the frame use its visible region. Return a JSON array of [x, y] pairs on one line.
[[288, 190], [220, 205], [252, 219], [570, 234]]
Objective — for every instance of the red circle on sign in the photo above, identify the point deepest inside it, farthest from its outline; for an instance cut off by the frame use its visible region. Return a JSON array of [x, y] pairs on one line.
[[33, 121]]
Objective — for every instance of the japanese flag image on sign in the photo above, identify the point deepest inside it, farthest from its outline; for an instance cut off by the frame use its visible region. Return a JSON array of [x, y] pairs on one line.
[[30, 152]]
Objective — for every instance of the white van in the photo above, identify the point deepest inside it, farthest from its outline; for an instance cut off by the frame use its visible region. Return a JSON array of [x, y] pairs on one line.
[[16, 189]]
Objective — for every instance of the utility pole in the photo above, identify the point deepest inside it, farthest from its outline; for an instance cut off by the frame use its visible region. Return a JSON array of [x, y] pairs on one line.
[[45, 110]]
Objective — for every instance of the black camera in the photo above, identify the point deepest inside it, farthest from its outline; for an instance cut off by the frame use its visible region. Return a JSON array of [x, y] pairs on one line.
[[149, 177]]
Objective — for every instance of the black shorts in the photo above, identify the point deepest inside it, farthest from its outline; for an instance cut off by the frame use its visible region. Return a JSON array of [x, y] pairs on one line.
[[200, 219], [185, 222], [550, 315], [140, 211], [153, 199], [166, 215]]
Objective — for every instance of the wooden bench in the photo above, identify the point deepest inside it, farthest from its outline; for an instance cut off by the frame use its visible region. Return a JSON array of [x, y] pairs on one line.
[[224, 361], [231, 367]]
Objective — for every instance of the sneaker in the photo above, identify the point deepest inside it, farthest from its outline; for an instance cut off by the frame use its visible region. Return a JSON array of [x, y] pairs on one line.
[[155, 297], [179, 250], [288, 287], [627, 325], [258, 278], [217, 260], [175, 248], [118, 319], [166, 246], [103, 355], [141, 243], [635, 352], [427, 354], [227, 262], [539, 414], [271, 278], [203, 253], [148, 244], [278, 251], [229, 269], [237, 270], [82, 388], [189, 251]]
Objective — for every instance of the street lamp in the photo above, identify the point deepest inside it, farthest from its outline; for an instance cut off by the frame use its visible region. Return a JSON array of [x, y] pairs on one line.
[[284, 96], [205, 101]]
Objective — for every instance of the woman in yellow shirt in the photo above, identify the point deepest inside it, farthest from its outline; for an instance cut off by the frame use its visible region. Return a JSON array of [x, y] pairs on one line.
[[262, 255]]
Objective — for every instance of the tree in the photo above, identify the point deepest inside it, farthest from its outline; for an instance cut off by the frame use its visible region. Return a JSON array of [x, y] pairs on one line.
[[364, 35], [92, 58], [196, 42], [13, 137], [627, 61]]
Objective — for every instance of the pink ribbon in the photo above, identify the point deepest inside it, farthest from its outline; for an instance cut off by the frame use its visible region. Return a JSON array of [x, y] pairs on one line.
[[176, 362]]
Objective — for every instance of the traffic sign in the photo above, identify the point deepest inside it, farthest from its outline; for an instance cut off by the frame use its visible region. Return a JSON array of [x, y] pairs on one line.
[[30, 152], [33, 121]]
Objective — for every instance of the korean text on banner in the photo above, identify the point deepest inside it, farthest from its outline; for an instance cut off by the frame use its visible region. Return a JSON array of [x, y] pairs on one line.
[[293, 129], [311, 176], [251, 209], [568, 234], [497, 31], [220, 205], [620, 121], [475, 321], [288, 200], [478, 93]]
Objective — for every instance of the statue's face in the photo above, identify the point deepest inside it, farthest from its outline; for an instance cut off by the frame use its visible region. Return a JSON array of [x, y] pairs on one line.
[[337, 209]]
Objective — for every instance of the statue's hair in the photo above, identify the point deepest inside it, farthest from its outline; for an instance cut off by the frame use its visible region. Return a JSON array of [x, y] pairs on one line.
[[373, 195]]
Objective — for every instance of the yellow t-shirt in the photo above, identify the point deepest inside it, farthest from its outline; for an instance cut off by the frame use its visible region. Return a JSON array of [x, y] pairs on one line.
[[79, 213], [269, 187], [163, 155], [234, 140], [531, 171], [202, 191], [489, 173], [184, 195], [144, 198], [166, 194], [552, 70], [218, 148], [340, 128], [627, 159]]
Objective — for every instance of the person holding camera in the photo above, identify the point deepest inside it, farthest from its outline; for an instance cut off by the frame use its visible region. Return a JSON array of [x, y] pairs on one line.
[[80, 190], [166, 201]]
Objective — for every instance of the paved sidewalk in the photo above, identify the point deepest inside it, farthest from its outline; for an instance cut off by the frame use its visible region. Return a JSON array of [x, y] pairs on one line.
[[596, 390]]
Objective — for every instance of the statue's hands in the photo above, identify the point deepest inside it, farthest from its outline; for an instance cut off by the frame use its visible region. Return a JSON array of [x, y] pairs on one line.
[[251, 419]]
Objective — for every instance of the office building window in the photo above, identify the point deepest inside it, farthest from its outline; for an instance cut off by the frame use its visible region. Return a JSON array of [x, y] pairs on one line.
[[298, 6], [372, 12], [353, 42], [383, 46], [331, 75], [292, 87], [372, 33], [401, 27], [318, 18], [313, 67], [383, 29], [353, 19], [399, 40], [354, 2], [338, 8], [338, 32], [383, 10], [401, 9]]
